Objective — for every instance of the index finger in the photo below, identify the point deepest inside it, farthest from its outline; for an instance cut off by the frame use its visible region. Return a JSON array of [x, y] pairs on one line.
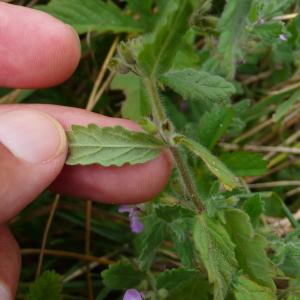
[[36, 50]]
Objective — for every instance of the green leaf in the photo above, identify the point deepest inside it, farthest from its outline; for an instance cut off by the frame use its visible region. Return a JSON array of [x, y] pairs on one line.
[[136, 105], [217, 254], [272, 8], [91, 15], [179, 221], [157, 50], [110, 146], [183, 284], [199, 85], [47, 287], [186, 57], [217, 167], [184, 246], [144, 9], [245, 289], [232, 25], [243, 163], [214, 124], [250, 248], [173, 213], [122, 275], [286, 106], [287, 254], [254, 207], [294, 286], [150, 238], [268, 32]]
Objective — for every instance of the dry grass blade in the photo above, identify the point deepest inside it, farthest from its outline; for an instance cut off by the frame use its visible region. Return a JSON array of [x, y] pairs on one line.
[[93, 96]]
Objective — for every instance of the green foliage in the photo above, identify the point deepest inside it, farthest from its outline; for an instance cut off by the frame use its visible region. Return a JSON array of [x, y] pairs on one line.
[[268, 32], [232, 26], [47, 287], [122, 275], [214, 124], [150, 239], [94, 15], [179, 221], [110, 146], [249, 248], [199, 86], [254, 207], [245, 289], [155, 52], [217, 254], [243, 163], [184, 284], [287, 254], [216, 166], [136, 105]]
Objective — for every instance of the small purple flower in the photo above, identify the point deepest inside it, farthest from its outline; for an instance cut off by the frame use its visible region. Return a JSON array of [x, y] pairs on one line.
[[136, 225], [283, 37], [132, 294]]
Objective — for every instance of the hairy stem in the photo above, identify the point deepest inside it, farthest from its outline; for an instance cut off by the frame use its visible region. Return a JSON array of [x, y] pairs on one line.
[[160, 118]]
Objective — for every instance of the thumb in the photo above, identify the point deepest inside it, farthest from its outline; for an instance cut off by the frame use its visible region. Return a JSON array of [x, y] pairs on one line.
[[32, 153]]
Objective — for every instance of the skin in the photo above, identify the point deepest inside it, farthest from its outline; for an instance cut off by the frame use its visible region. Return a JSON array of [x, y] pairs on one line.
[[38, 51]]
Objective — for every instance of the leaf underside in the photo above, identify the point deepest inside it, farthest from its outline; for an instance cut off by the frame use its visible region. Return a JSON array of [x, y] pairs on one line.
[[110, 146]]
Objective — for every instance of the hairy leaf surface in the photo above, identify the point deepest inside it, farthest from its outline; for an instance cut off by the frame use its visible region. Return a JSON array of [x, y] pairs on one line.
[[217, 254], [199, 85], [216, 166], [250, 248], [184, 284], [246, 289], [110, 146]]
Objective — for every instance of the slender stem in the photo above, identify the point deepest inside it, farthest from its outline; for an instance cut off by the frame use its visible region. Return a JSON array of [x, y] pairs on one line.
[[61, 253], [160, 117], [157, 108], [46, 234], [186, 178]]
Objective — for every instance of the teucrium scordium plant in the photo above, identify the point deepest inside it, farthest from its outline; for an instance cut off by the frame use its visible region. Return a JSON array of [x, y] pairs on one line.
[[208, 231]]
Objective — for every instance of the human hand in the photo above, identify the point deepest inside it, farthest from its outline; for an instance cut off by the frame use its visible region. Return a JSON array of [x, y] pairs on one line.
[[39, 51]]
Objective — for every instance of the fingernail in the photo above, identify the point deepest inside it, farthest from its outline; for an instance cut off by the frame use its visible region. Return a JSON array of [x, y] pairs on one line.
[[4, 293], [32, 135]]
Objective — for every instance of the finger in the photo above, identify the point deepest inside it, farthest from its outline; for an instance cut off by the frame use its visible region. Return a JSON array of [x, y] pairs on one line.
[[32, 153], [36, 50], [127, 184], [10, 264]]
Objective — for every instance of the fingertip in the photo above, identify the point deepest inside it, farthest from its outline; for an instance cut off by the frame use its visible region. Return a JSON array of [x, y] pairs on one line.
[[36, 49], [115, 185]]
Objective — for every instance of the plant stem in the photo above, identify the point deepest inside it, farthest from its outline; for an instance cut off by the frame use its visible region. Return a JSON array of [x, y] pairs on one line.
[[160, 118]]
